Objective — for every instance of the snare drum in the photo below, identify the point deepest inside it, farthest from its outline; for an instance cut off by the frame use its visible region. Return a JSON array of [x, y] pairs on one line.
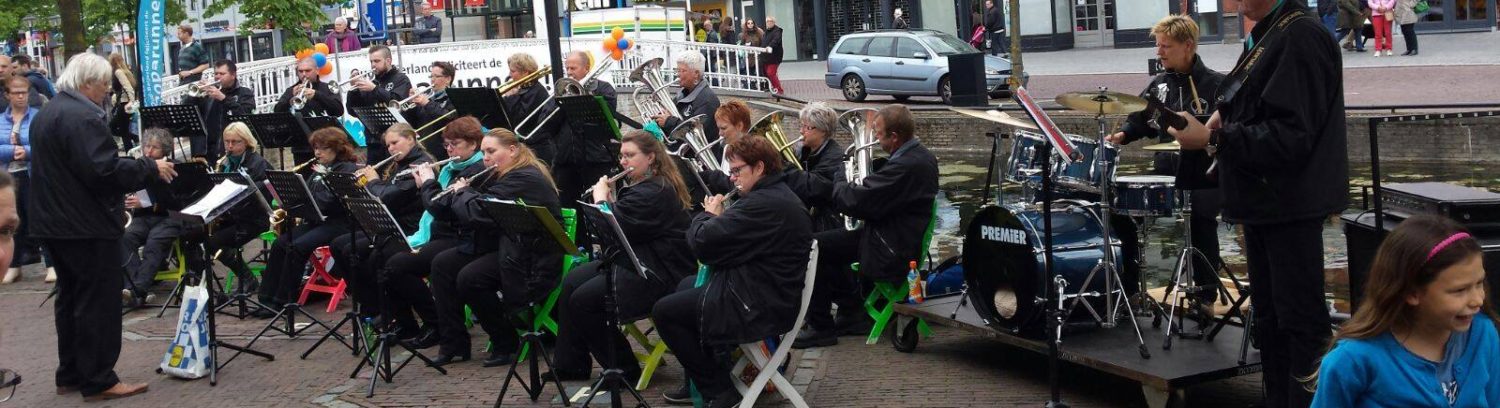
[[1085, 175], [1145, 196], [1023, 162]]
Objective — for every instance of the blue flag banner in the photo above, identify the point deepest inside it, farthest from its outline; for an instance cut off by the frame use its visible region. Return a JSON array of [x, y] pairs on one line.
[[151, 46]]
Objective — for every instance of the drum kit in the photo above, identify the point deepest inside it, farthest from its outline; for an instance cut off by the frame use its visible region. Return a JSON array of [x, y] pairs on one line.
[[1005, 246]]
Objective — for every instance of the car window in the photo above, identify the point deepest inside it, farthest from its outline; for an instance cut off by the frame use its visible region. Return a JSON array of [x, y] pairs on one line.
[[854, 46], [880, 46], [905, 47], [947, 45]]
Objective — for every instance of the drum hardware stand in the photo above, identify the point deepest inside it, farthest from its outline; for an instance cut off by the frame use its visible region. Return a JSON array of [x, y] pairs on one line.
[[1182, 283], [1055, 315]]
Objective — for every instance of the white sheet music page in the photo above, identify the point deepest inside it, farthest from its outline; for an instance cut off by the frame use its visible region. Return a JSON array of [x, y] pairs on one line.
[[221, 194]]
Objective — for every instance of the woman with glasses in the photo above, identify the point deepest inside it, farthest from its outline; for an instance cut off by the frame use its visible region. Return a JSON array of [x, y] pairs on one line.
[[651, 205], [432, 107], [823, 159], [15, 155], [283, 275], [246, 221]]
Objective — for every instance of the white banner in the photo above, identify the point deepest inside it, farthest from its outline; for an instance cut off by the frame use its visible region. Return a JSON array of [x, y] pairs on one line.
[[480, 64]]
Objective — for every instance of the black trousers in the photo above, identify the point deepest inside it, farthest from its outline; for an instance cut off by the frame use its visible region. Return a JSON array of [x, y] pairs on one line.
[[581, 323], [460, 279], [86, 312], [26, 248], [1291, 318], [1409, 33], [835, 282], [999, 43], [282, 278], [152, 234], [677, 316], [574, 178], [406, 286], [362, 265], [227, 241]]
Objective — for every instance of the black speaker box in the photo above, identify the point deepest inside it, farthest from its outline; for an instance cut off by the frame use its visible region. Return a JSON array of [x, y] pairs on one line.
[[1364, 241], [966, 76]]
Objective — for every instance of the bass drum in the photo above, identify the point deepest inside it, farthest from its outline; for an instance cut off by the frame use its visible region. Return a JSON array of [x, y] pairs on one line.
[[1003, 262]]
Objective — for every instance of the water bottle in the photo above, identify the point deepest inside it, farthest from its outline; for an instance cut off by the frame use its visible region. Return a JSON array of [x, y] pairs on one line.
[[913, 284]]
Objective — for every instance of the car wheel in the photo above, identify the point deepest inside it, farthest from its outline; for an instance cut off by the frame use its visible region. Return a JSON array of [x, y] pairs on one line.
[[901, 98], [945, 90], [854, 88]]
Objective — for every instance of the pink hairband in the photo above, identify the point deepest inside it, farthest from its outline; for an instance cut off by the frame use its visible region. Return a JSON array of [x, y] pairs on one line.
[[1439, 248]]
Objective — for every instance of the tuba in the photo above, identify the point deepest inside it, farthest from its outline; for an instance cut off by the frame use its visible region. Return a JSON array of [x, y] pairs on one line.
[[649, 75], [859, 156], [769, 127], [690, 132]]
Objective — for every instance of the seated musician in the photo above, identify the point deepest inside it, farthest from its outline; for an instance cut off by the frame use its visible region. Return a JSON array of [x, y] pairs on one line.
[[387, 85], [695, 98], [247, 220], [471, 274], [525, 100], [406, 285], [149, 236], [584, 152], [1187, 86], [733, 122], [429, 109], [397, 190], [651, 206], [895, 203], [756, 251], [282, 279], [821, 157]]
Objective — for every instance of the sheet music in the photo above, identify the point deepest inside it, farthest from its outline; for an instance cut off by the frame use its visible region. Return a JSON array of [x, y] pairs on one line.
[[145, 198], [222, 194]]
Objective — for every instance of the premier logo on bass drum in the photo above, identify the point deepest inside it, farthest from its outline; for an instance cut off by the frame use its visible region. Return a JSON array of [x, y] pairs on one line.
[[1005, 235]]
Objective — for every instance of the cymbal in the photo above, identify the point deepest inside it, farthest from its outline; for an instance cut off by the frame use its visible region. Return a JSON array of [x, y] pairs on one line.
[[1171, 146], [997, 117], [1104, 103]]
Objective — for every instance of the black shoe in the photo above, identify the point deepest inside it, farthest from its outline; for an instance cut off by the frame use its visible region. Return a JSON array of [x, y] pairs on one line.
[[1413, 53], [499, 358], [263, 313], [427, 338], [726, 399], [680, 396], [813, 337], [444, 358], [565, 375]]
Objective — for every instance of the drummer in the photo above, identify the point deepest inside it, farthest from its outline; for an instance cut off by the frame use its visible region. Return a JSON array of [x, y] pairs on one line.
[[1187, 85]]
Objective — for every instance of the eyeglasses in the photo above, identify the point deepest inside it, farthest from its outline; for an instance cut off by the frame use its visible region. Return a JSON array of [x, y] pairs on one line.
[[9, 380], [452, 145], [735, 171]]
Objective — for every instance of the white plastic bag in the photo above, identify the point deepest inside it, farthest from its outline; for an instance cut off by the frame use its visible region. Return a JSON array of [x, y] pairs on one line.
[[189, 355]]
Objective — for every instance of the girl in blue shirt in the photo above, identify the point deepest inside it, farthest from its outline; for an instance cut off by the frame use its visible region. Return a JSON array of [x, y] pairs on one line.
[[1423, 336]]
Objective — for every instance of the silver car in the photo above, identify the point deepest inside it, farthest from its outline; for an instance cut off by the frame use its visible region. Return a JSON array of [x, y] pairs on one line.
[[903, 63]]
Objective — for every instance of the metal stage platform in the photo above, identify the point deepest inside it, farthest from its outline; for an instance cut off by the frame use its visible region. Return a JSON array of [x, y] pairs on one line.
[[1114, 351]]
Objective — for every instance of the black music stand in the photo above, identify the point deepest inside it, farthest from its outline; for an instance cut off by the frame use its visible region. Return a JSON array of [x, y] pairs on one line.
[[521, 220], [199, 224], [590, 116], [279, 130], [610, 242], [346, 186], [376, 120], [182, 120], [242, 301], [482, 103], [295, 198], [190, 184]]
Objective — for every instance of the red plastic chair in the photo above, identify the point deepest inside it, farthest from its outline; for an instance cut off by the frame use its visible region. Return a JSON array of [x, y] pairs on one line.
[[322, 282]]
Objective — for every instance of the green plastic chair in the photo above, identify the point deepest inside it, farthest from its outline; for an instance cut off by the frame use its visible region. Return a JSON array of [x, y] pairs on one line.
[[541, 315], [174, 271], [896, 292], [256, 264]]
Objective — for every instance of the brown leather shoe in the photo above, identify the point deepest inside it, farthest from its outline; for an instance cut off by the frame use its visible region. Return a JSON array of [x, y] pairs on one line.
[[65, 390], [120, 390]]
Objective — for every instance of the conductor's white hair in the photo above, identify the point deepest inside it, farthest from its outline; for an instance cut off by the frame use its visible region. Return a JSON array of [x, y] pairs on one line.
[[692, 59], [83, 69]]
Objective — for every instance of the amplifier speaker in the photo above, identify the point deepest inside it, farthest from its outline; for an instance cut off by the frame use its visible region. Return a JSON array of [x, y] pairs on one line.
[[966, 76], [1364, 241]]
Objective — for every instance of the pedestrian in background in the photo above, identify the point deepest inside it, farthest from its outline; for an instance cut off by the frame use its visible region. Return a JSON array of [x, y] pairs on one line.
[[342, 39], [994, 23], [1406, 17], [899, 23], [429, 27], [772, 40], [1382, 12], [1352, 25], [751, 37]]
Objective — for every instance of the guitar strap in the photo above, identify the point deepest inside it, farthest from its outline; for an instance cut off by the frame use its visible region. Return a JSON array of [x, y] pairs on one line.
[[1248, 61]]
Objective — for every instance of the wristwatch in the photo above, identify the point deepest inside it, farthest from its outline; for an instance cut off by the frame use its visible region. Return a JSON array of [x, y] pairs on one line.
[[1213, 142]]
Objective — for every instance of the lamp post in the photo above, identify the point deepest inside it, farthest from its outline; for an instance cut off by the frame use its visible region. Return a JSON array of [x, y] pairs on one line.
[[30, 28]]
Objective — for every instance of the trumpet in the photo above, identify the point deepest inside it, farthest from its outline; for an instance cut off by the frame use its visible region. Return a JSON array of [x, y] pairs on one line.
[[858, 158], [200, 89], [612, 180], [354, 75], [466, 181], [300, 99], [409, 103]]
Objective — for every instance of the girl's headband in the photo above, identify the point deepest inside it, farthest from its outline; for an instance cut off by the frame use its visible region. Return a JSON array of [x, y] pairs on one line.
[[1439, 247]]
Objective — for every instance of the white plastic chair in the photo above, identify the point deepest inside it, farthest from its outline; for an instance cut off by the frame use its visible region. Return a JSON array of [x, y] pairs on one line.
[[755, 353]]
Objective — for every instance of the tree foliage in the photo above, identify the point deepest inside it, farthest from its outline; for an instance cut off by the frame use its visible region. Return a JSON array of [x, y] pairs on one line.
[[97, 18], [288, 16]]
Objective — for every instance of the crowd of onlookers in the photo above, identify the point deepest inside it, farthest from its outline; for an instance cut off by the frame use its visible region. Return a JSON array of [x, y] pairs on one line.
[[1348, 20], [724, 30]]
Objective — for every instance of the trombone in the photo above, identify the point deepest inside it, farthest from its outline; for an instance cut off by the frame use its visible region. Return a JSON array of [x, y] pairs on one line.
[[563, 87], [525, 81]]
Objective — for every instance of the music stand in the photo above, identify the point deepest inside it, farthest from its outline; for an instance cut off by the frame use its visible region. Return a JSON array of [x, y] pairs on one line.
[[191, 184], [242, 301], [182, 120], [521, 220], [376, 120], [482, 103], [590, 116], [610, 243], [278, 130], [346, 186], [295, 198], [200, 220]]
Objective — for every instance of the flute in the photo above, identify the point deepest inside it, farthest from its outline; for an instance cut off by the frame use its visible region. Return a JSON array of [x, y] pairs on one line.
[[612, 180], [437, 165], [466, 180]]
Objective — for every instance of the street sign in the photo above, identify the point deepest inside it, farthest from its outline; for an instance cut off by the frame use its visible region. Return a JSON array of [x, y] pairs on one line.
[[373, 28]]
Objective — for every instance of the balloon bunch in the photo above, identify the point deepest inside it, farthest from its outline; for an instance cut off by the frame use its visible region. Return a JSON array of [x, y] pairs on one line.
[[616, 44], [319, 54]]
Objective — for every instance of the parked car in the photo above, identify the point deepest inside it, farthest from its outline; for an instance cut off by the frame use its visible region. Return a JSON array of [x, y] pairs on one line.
[[902, 63]]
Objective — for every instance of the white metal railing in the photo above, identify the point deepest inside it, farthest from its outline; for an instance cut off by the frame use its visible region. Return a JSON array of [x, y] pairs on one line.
[[729, 67]]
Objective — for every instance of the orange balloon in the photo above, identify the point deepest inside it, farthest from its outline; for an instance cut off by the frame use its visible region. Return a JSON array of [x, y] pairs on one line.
[[321, 47], [327, 69], [304, 53], [618, 33], [611, 45], [617, 55]]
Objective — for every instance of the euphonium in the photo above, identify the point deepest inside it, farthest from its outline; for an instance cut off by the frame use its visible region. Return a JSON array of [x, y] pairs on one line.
[[690, 131], [858, 157], [649, 74], [769, 126]]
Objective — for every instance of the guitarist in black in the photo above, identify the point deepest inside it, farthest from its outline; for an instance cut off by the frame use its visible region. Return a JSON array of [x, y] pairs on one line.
[[1279, 138], [1186, 86]]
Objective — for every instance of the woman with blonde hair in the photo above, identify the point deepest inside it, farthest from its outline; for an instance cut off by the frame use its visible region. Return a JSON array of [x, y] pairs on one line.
[[247, 220], [123, 103]]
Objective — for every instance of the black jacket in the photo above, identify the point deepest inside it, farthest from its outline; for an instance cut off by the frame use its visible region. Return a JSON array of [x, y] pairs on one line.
[[333, 208], [448, 227], [656, 225], [238, 100], [1175, 90], [825, 163], [1282, 150], [323, 102], [78, 180], [393, 85], [700, 100], [757, 253], [571, 144], [523, 103], [400, 194], [772, 40], [430, 29], [895, 202], [994, 20], [529, 272], [249, 212]]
